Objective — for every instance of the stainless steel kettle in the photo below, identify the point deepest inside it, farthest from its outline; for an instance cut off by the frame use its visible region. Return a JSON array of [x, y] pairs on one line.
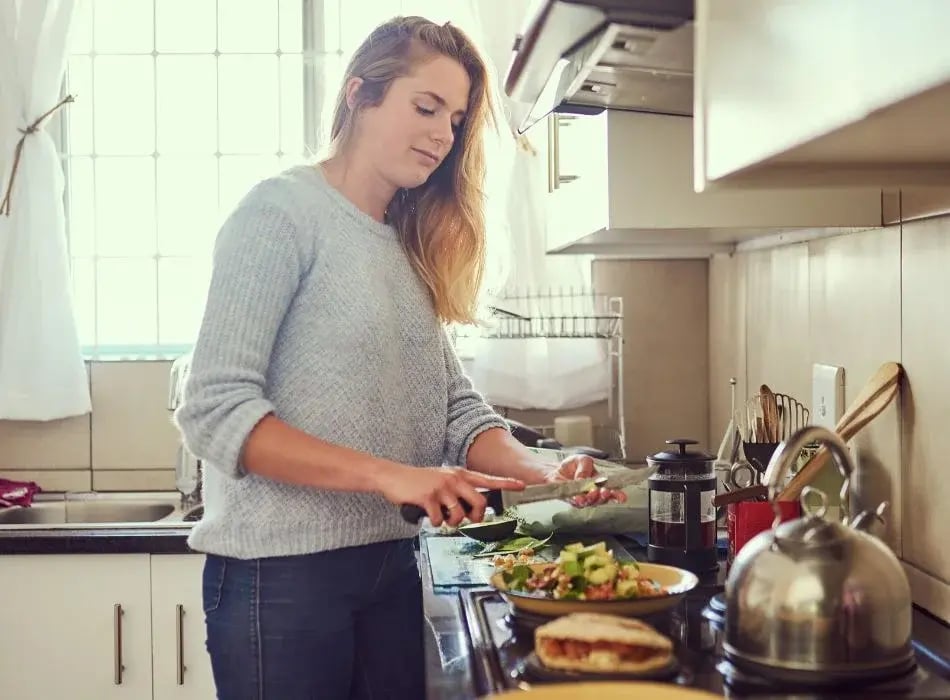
[[813, 600]]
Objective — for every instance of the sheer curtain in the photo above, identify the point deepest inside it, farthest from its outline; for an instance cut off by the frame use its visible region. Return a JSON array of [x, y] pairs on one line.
[[42, 375], [541, 373]]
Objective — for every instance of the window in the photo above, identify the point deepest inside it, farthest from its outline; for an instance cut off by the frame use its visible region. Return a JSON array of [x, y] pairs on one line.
[[182, 106]]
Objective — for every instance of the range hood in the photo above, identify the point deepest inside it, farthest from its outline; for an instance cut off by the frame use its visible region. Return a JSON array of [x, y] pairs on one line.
[[584, 56]]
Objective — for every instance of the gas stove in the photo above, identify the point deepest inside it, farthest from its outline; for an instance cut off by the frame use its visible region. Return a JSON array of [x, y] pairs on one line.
[[502, 644]]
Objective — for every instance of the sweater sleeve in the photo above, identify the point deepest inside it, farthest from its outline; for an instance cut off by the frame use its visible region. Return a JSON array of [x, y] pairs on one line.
[[258, 263], [468, 414]]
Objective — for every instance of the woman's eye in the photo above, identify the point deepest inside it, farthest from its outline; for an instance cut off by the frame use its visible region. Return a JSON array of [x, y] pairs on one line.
[[424, 111]]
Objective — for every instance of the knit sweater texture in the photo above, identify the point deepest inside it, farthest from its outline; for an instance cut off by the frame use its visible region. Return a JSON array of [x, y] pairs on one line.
[[314, 314]]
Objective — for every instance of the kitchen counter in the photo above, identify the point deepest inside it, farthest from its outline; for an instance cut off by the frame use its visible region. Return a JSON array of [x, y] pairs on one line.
[[100, 540], [450, 661]]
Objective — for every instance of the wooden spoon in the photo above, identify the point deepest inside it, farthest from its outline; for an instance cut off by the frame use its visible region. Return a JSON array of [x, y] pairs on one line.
[[770, 413], [873, 398]]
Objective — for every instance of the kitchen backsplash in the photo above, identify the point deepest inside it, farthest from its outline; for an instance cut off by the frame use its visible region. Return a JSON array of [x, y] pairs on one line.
[[127, 443], [855, 301]]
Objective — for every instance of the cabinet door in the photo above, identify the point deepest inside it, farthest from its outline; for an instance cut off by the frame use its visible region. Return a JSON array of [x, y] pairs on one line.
[[788, 95], [577, 175], [75, 626], [181, 666]]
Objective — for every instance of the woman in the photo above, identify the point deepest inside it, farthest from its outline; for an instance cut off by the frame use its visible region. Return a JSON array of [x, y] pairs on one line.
[[324, 391]]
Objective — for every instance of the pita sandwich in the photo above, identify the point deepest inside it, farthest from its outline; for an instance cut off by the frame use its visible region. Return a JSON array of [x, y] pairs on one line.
[[595, 643]]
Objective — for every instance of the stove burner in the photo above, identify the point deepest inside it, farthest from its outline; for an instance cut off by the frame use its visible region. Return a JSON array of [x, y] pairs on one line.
[[524, 623], [744, 681], [715, 610]]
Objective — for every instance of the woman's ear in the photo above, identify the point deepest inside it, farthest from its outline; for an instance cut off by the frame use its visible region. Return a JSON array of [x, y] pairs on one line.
[[353, 86]]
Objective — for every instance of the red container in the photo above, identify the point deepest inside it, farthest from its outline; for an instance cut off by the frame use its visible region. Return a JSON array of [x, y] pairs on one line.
[[746, 519]]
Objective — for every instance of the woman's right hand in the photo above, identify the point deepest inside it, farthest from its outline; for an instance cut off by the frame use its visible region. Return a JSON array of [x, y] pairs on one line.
[[435, 488]]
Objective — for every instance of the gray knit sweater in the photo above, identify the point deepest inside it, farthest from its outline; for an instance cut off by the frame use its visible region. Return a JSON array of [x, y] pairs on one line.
[[315, 314]]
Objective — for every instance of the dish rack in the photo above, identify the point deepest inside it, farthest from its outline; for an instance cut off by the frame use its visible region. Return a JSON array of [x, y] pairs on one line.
[[525, 313]]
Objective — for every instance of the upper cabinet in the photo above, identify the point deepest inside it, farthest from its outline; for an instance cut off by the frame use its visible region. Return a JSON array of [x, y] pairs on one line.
[[621, 183], [812, 92]]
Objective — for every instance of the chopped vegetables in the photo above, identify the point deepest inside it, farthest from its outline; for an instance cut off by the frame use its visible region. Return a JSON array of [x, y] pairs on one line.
[[583, 573]]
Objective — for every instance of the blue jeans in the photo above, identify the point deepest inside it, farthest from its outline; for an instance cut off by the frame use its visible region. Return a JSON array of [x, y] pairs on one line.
[[335, 625]]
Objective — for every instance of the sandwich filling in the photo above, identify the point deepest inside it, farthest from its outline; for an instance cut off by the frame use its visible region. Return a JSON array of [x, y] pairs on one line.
[[601, 643]]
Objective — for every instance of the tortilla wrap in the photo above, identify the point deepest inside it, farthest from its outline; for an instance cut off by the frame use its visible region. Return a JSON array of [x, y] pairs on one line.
[[599, 643]]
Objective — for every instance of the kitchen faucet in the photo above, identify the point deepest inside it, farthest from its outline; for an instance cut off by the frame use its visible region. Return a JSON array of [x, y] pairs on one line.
[[188, 475]]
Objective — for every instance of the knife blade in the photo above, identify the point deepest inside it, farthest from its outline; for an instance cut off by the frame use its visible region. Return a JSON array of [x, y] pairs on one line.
[[500, 500]]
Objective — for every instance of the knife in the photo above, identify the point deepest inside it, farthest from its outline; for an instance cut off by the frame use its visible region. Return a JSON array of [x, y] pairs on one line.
[[500, 500]]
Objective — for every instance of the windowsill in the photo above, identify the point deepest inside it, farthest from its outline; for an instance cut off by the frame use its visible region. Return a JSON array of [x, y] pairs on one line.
[[134, 353]]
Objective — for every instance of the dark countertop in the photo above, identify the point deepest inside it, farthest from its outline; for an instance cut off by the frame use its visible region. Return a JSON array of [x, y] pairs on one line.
[[99, 540]]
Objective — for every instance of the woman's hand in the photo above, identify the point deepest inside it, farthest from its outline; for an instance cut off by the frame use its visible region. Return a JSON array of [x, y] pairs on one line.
[[435, 488], [582, 467]]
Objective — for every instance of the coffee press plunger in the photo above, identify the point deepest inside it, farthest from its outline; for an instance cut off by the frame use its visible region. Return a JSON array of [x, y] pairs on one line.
[[682, 528]]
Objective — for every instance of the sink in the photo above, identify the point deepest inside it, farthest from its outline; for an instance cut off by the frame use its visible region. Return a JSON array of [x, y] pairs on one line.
[[87, 511]]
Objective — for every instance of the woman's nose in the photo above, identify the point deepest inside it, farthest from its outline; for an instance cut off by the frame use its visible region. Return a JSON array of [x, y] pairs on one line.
[[444, 134]]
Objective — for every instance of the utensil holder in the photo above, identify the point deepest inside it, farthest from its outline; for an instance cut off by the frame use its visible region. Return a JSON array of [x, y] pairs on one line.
[[758, 454], [746, 519]]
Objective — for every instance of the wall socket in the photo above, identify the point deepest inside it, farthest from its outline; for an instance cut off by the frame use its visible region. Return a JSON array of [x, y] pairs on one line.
[[827, 395]]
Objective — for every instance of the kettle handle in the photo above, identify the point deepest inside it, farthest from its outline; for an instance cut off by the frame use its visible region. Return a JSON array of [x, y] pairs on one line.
[[787, 452]]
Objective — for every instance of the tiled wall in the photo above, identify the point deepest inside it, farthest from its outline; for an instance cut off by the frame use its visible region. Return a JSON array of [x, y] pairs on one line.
[[856, 301], [127, 443]]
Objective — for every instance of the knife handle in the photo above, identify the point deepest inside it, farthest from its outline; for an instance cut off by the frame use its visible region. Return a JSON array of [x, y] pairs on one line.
[[412, 513]]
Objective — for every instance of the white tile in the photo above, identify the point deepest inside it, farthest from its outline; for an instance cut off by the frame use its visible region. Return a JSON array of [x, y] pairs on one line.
[[926, 401], [777, 321], [134, 480], [53, 480], [131, 424], [856, 321], [57, 444]]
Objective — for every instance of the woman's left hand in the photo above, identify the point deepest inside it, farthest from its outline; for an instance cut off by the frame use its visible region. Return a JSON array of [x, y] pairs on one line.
[[582, 467]]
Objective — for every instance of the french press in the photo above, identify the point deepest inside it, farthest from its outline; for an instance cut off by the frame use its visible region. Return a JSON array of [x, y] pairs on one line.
[[682, 515]]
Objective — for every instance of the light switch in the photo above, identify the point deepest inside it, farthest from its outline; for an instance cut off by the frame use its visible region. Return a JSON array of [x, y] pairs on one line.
[[827, 395]]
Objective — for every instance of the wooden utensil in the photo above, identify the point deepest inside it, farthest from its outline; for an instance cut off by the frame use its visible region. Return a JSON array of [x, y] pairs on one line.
[[873, 398], [769, 413], [758, 492]]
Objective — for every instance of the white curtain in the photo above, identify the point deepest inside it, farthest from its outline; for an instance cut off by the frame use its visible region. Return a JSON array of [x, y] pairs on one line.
[[542, 373], [42, 375]]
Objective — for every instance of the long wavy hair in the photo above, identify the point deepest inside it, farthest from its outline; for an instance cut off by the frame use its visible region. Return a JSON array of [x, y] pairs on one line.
[[441, 223]]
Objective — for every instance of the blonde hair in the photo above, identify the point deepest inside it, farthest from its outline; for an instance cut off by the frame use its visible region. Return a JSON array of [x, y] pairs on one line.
[[441, 223]]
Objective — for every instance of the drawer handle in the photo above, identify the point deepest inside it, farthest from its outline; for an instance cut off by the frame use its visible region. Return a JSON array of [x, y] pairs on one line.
[[180, 643], [117, 614]]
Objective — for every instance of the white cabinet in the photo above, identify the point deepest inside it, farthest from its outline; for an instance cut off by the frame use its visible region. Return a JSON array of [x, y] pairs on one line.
[[634, 192], [76, 626], [94, 627], [577, 175], [180, 664], [811, 93]]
